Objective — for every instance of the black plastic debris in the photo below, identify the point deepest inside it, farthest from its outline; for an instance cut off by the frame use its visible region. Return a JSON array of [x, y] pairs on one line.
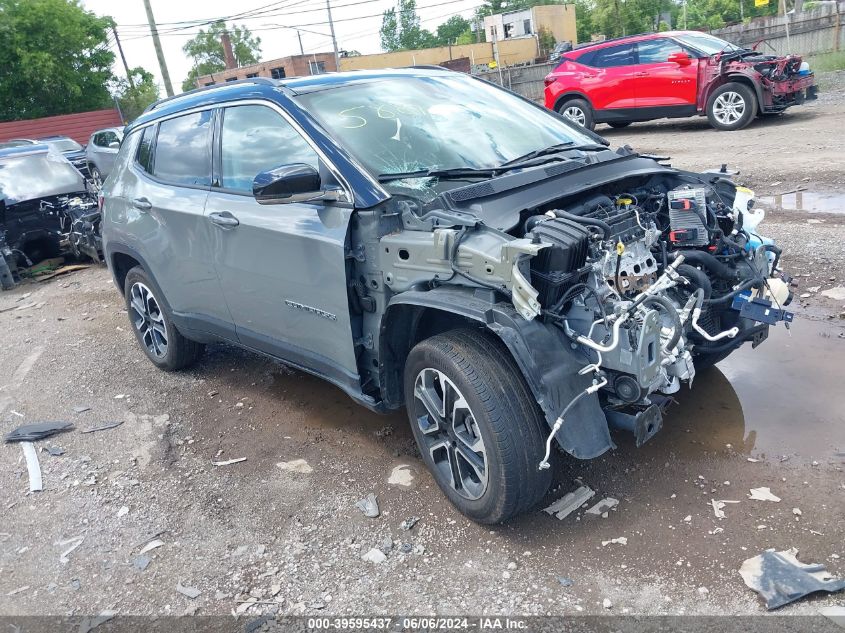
[[781, 578], [35, 432]]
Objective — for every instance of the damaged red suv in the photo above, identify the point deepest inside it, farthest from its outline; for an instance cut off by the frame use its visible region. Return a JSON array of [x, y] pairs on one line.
[[675, 74]]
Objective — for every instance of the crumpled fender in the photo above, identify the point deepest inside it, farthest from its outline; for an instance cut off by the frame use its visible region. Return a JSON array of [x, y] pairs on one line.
[[544, 355]]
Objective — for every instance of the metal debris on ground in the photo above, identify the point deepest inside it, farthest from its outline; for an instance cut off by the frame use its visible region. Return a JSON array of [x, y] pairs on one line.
[[608, 503], [151, 546], [74, 542], [38, 431], [104, 427], [369, 506], [91, 623], [570, 502], [763, 494], [622, 540], [407, 524], [189, 592], [780, 578], [718, 505], [32, 467], [237, 460], [296, 466]]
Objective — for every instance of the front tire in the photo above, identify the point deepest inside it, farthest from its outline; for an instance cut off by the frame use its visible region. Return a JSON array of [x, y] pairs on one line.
[[477, 425], [732, 106], [578, 111], [153, 325]]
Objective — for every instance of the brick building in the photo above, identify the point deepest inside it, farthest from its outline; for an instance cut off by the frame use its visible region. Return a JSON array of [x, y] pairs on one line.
[[291, 66]]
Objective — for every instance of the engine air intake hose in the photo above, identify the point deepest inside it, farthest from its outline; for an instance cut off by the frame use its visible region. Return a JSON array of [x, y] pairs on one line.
[[706, 260], [697, 278], [604, 226]]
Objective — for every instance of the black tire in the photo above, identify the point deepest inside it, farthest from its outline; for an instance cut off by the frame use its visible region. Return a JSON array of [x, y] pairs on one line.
[[741, 96], [502, 411], [568, 110], [619, 124], [176, 352]]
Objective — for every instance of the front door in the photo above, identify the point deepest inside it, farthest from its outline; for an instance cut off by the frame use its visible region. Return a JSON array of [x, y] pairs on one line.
[[660, 82], [282, 266]]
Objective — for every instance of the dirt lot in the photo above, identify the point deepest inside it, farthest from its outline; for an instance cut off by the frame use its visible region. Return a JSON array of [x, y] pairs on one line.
[[290, 539]]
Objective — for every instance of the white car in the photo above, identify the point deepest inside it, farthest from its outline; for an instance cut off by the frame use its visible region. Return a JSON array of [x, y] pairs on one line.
[[101, 151]]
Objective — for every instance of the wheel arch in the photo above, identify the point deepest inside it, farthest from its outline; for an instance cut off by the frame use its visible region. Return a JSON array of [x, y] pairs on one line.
[[569, 95], [541, 352]]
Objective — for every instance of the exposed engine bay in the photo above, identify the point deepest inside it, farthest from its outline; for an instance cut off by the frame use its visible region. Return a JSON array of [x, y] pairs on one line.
[[649, 277]]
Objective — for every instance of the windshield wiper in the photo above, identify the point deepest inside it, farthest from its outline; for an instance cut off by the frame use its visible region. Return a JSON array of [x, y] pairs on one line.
[[443, 174], [523, 161]]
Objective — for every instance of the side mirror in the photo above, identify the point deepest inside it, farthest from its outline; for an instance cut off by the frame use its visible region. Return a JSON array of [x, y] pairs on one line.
[[680, 58], [114, 145], [296, 182]]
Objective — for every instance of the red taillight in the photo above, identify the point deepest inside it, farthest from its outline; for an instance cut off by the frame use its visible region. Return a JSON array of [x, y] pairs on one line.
[[548, 81], [101, 199]]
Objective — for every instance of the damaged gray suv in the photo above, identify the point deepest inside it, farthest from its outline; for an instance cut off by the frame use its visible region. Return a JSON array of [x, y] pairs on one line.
[[421, 238]]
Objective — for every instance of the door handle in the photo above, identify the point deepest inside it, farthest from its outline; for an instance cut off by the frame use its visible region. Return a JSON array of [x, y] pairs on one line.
[[641, 74], [224, 219], [142, 204]]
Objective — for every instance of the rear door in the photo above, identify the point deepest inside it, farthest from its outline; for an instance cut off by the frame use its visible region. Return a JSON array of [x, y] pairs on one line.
[[659, 82], [282, 266], [162, 204], [608, 80]]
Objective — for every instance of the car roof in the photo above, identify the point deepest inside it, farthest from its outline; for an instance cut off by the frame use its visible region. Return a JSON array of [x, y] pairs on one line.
[[640, 37], [23, 150], [55, 137], [263, 87], [117, 128]]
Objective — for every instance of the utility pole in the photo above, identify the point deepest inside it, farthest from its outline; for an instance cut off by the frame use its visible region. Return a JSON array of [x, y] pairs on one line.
[[165, 76], [334, 39], [228, 53], [299, 35], [123, 57]]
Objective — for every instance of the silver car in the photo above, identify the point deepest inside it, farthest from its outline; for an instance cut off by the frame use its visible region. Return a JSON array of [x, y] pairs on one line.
[[101, 151]]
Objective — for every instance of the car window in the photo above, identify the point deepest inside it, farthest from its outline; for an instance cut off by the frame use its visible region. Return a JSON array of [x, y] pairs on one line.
[[657, 51], [183, 149], [144, 158], [622, 55], [256, 138], [107, 138]]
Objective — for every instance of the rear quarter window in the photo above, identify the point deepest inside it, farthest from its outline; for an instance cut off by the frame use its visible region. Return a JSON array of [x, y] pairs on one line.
[[144, 156]]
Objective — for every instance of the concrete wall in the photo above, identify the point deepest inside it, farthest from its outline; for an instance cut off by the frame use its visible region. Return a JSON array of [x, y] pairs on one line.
[[810, 32], [295, 66], [559, 19], [514, 51]]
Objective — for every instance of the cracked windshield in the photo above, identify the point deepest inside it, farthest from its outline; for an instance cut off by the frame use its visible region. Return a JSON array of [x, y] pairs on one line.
[[428, 124]]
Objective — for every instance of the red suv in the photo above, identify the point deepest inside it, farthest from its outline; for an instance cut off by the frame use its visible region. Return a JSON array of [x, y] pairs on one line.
[[674, 74]]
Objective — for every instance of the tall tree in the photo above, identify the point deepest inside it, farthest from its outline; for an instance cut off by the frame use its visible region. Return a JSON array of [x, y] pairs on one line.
[[54, 59], [206, 50], [451, 30], [400, 28], [133, 100]]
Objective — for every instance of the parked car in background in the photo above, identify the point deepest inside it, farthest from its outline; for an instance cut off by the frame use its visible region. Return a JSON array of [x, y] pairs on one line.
[[559, 49], [65, 145], [675, 74], [46, 209], [101, 151], [424, 239]]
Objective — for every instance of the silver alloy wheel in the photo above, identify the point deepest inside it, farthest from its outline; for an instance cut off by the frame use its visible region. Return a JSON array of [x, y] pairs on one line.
[[575, 114], [729, 107], [450, 433], [96, 178], [146, 316]]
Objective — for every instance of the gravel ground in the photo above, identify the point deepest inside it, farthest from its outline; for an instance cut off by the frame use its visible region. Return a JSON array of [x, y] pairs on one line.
[[266, 535]]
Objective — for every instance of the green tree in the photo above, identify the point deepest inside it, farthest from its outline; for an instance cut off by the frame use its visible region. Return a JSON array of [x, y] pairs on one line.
[[54, 59], [206, 50], [133, 100], [400, 28], [546, 39], [451, 30]]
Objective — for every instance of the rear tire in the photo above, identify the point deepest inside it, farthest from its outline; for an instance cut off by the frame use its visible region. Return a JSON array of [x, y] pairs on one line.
[[619, 124], [732, 106], [152, 324], [477, 425], [578, 111]]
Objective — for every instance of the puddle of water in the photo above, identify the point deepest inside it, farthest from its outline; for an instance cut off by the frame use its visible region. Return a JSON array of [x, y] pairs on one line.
[[806, 201], [783, 398]]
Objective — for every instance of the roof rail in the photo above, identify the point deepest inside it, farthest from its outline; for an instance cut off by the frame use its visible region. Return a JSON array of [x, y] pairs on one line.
[[613, 39], [266, 81]]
